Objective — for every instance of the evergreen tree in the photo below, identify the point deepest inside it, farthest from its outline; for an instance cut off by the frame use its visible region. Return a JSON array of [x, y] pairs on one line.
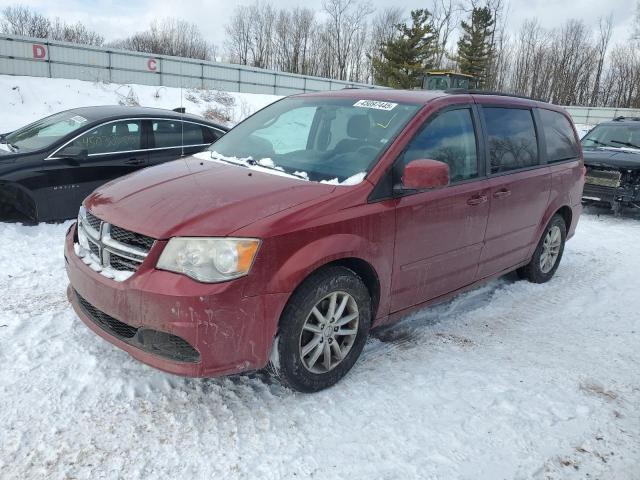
[[405, 59], [474, 47]]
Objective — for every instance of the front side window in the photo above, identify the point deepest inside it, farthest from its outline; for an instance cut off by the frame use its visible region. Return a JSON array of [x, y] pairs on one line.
[[174, 133], [511, 135], [559, 137], [45, 132], [614, 135], [331, 139], [449, 138], [122, 136]]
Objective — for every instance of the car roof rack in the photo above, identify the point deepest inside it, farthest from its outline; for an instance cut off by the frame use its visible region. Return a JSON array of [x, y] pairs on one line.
[[489, 92]]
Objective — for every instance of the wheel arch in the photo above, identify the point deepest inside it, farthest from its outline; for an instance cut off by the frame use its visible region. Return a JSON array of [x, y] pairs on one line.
[[567, 214], [362, 268]]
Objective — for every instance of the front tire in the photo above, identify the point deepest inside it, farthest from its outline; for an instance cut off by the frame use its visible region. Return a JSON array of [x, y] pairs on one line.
[[546, 258], [322, 330]]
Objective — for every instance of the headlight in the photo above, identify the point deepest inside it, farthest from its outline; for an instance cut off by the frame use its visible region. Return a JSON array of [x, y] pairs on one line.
[[209, 260]]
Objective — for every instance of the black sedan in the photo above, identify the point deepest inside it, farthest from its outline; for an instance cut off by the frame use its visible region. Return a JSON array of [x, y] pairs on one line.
[[612, 158], [48, 167]]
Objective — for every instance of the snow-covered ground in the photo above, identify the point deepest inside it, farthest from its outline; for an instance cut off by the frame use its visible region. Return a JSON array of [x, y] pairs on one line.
[[512, 380], [27, 99]]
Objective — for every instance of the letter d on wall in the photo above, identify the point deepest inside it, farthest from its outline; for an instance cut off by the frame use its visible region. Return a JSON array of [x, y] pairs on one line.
[[39, 51]]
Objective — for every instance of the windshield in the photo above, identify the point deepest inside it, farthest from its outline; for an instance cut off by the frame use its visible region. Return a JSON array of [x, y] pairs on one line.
[[45, 132], [616, 136], [331, 140]]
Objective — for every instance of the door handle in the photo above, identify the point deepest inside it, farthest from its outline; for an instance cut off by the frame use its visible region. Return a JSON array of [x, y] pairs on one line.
[[504, 193], [134, 161], [477, 200]]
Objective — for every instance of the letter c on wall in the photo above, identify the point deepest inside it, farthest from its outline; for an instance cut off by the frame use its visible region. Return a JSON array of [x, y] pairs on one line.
[[152, 64], [39, 51]]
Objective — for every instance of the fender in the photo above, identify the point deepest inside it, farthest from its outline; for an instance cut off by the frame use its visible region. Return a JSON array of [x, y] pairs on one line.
[[559, 197], [311, 256], [20, 198]]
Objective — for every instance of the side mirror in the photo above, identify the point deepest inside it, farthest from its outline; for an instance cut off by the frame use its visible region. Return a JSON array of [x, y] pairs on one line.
[[422, 174], [73, 154]]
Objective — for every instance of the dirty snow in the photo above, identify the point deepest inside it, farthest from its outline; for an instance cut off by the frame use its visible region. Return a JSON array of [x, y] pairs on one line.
[[511, 380], [26, 99]]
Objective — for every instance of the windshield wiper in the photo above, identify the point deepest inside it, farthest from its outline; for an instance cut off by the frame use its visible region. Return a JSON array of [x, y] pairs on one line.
[[253, 163], [226, 160], [626, 144]]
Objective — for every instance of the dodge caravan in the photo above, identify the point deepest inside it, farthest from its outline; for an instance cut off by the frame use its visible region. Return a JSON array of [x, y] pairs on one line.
[[318, 218]]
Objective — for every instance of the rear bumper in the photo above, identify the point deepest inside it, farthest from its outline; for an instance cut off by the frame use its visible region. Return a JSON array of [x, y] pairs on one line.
[[229, 332]]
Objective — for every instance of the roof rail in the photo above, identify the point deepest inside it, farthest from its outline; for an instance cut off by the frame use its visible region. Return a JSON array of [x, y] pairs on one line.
[[489, 92], [622, 117]]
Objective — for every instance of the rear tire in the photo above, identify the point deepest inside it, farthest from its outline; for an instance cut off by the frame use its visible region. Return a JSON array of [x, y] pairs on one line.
[[322, 330], [546, 258]]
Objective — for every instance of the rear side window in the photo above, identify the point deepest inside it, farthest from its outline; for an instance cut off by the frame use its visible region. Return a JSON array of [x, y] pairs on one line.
[[559, 137], [449, 138], [512, 138], [112, 137], [174, 133]]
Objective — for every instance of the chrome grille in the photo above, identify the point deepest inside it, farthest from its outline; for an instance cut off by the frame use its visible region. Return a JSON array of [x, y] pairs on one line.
[[112, 250], [131, 238], [93, 221]]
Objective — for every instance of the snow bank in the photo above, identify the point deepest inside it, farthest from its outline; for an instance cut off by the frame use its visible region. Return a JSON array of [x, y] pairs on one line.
[[511, 380], [26, 99]]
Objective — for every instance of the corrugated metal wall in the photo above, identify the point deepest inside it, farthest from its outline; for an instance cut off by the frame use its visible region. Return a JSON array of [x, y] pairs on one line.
[[42, 58], [595, 115]]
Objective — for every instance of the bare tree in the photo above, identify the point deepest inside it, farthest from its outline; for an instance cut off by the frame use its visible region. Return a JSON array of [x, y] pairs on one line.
[[346, 19], [239, 35], [383, 30], [602, 45], [444, 20], [169, 37], [261, 26], [20, 20]]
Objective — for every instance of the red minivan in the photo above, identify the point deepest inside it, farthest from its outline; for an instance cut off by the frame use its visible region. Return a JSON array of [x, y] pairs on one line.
[[318, 218]]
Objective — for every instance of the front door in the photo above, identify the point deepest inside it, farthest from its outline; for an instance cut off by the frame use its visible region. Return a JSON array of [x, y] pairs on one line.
[[113, 150], [440, 233]]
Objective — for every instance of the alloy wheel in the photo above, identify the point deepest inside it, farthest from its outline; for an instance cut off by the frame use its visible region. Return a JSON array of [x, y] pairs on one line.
[[550, 249], [329, 332]]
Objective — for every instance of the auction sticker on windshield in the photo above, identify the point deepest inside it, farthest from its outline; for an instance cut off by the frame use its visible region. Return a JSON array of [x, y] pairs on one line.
[[78, 119], [375, 104]]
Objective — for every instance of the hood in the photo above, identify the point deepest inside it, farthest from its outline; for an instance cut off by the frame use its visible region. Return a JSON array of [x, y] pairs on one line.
[[192, 197], [618, 158]]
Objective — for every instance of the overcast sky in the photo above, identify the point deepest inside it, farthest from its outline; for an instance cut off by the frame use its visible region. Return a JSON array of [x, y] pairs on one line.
[[119, 18]]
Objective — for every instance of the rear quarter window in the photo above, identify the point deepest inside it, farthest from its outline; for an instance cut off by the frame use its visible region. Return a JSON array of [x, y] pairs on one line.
[[512, 140], [559, 137], [174, 133]]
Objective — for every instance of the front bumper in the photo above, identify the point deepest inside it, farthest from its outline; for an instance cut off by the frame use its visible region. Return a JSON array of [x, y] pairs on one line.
[[229, 331], [606, 194]]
